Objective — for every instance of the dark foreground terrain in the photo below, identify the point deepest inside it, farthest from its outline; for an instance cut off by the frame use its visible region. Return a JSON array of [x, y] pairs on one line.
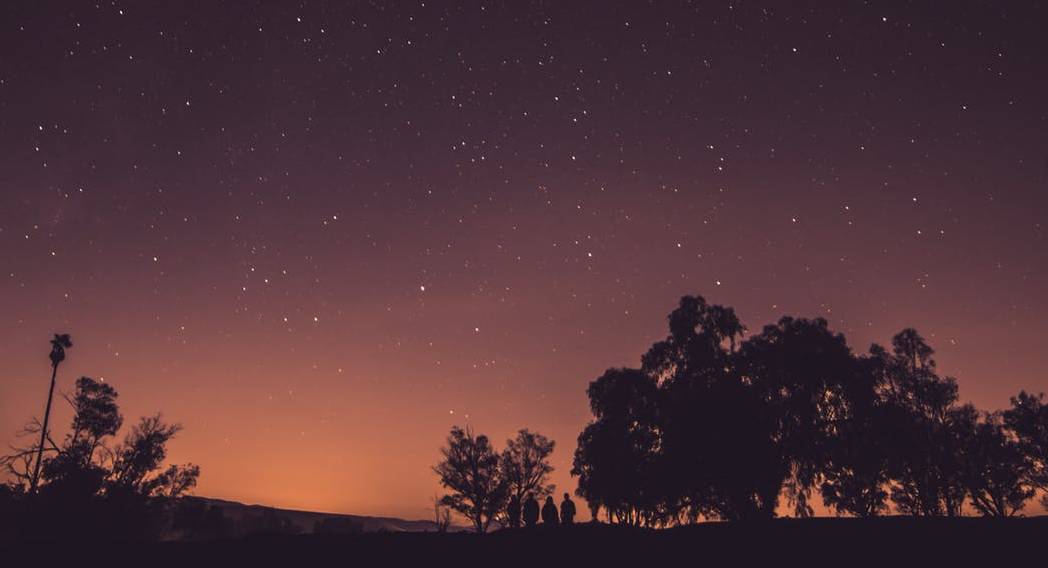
[[812, 542]]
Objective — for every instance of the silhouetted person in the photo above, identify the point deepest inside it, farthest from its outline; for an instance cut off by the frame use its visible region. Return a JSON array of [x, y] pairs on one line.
[[531, 511], [567, 510], [549, 512], [513, 511]]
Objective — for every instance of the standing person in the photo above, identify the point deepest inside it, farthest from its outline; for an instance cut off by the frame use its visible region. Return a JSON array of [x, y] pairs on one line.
[[531, 511], [513, 512], [549, 512], [567, 510]]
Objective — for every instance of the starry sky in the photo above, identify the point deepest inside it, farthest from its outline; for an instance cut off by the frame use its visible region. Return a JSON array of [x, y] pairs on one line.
[[320, 235]]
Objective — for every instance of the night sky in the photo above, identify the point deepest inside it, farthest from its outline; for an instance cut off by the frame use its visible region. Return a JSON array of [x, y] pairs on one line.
[[319, 236]]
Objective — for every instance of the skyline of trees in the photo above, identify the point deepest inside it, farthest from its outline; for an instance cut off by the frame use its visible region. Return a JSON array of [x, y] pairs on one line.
[[481, 481], [716, 425], [89, 483], [713, 424]]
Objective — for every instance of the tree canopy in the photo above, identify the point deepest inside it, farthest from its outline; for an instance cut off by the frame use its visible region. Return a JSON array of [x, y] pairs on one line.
[[90, 485], [715, 424], [470, 471]]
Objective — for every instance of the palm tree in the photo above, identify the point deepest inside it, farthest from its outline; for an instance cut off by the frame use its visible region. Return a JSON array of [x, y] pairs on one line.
[[59, 344]]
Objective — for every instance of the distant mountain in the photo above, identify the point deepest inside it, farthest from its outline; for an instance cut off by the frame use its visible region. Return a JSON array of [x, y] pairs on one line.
[[260, 518]]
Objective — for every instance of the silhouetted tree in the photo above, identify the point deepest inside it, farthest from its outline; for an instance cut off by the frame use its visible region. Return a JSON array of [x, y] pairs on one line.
[[995, 469], [1027, 419], [77, 469], [855, 476], [137, 461], [962, 422], [442, 515], [719, 456], [59, 344], [615, 457], [802, 372], [716, 426], [470, 470], [88, 488], [525, 466], [927, 429], [594, 509]]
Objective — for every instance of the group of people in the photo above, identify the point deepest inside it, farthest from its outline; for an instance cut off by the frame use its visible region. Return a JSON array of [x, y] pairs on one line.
[[529, 511]]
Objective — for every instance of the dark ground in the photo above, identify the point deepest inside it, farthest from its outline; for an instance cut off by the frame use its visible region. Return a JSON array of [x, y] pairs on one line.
[[812, 542]]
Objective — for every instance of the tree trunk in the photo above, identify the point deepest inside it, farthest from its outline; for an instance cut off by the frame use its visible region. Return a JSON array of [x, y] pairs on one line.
[[34, 482]]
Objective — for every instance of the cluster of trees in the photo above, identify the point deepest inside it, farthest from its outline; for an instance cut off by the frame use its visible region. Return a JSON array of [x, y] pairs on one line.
[[717, 425], [482, 481], [87, 483]]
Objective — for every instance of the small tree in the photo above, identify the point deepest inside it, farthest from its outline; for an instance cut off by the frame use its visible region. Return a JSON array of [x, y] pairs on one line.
[[470, 470], [78, 468], [1027, 419], [855, 476], [995, 470], [928, 429], [136, 467], [525, 465], [441, 515]]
